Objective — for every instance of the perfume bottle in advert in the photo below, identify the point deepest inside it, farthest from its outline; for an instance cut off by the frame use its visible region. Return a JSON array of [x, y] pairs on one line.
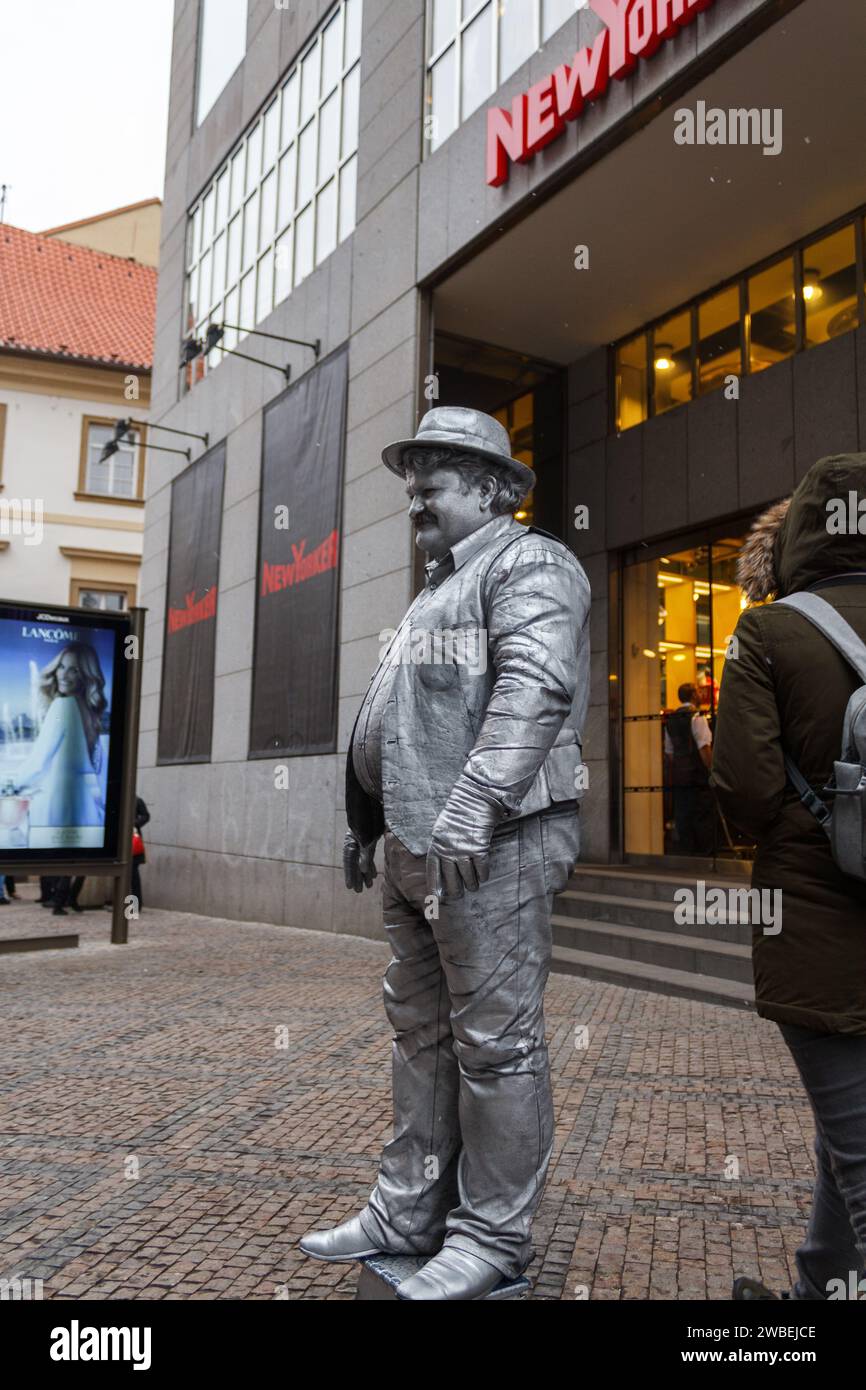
[[14, 818]]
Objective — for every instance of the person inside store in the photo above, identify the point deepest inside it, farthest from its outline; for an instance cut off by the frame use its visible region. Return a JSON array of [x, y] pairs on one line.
[[689, 759], [468, 766], [782, 735]]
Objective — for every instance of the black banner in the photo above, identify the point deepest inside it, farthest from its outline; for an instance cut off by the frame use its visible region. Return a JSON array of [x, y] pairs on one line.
[[294, 698], [186, 706]]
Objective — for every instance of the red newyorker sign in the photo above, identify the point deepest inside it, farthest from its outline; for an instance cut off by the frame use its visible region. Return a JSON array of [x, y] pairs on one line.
[[635, 29], [325, 557], [194, 611]]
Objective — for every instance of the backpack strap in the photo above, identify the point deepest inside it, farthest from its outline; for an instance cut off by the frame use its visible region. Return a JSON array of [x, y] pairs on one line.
[[826, 619], [810, 799]]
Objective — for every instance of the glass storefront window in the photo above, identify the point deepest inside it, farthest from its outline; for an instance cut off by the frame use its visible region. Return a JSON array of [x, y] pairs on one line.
[[304, 245], [680, 611], [254, 158], [474, 44], [326, 221], [271, 137], [554, 13], [222, 45], [441, 102], [631, 382], [331, 53], [672, 363], [516, 39], [476, 79], [772, 315], [297, 160], [831, 305], [719, 353], [352, 48], [830, 286], [518, 418], [283, 267], [348, 188], [445, 19]]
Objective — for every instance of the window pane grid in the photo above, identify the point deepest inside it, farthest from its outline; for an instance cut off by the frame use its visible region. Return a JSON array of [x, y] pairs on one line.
[[474, 45], [285, 197], [745, 326], [116, 476]]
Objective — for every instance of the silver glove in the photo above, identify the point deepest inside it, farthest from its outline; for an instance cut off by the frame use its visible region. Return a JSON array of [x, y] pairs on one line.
[[459, 853], [359, 868]]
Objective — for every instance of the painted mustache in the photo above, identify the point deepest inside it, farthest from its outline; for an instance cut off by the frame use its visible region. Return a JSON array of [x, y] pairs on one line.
[[424, 519]]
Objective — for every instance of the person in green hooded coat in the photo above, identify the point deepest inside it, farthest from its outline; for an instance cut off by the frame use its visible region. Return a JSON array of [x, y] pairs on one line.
[[786, 689]]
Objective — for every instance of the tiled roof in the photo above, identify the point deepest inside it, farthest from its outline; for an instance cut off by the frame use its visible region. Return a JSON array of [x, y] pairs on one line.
[[68, 301]]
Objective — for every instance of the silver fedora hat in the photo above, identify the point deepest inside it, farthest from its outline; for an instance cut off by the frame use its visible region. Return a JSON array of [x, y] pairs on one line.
[[464, 430]]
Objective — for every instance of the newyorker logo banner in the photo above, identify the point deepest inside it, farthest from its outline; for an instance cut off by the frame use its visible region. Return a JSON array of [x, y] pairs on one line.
[[294, 704], [186, 710], [633, 29]]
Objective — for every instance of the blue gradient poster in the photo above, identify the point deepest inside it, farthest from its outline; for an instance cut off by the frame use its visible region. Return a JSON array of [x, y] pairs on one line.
[[56, 686]]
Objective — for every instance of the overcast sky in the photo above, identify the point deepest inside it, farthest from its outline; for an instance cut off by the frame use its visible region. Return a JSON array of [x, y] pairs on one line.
[[83, 106]]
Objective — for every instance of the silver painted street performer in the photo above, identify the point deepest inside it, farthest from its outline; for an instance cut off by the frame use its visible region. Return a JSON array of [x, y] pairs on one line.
[[465, 755]]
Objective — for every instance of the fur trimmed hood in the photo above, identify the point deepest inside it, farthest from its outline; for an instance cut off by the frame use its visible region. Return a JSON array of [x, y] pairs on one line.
[[790, 546], [756, 571]]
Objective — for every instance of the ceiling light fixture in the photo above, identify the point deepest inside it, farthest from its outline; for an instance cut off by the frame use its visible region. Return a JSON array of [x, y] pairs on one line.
[[664, 360], [812, 289]]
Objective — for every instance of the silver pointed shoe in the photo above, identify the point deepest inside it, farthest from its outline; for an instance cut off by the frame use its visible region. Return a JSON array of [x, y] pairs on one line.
[[348, 1241], [451, 1275]]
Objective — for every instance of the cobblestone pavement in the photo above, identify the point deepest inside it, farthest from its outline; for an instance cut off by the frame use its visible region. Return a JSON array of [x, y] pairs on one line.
[[177, 1112]]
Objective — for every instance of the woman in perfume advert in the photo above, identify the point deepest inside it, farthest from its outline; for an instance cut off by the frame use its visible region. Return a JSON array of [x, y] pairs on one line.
[[62, 771]]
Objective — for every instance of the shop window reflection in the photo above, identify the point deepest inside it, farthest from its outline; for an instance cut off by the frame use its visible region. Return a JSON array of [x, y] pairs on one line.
[[672, 363], [631, 382], [518, 419], [830, 286], [719, 353], [772, 315], [680, 613]]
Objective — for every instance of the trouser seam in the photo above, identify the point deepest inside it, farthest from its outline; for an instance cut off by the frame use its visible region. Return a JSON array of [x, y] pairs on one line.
[[426, 1185]]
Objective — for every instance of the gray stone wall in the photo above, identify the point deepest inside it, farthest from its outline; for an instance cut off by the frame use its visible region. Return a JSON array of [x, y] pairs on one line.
[[222, 838], [456, 204]]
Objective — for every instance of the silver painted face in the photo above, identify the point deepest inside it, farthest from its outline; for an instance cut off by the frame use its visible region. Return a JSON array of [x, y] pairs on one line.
[[441, 512]]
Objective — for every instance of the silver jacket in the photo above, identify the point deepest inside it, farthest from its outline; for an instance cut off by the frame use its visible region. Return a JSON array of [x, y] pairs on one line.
[[505, 729]]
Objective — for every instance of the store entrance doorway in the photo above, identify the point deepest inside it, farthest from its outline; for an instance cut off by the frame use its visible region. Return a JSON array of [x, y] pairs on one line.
[[681, 603], [525, 395]]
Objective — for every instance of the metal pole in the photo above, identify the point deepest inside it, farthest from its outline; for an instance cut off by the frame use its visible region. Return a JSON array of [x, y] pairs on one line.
[[119, 923]]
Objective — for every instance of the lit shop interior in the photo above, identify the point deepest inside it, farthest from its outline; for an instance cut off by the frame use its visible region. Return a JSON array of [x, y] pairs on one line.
[[613, 382]]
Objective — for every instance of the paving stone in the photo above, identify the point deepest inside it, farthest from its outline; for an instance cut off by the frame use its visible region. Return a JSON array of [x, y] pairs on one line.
[[157, 1142]]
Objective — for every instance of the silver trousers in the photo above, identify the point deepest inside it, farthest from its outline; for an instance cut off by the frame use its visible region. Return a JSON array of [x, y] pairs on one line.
[[473, 1115]]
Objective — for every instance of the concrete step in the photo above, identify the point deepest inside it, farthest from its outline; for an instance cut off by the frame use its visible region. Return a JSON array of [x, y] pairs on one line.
[[671, 950], [655, 978], [646, 914], [621, 881]]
